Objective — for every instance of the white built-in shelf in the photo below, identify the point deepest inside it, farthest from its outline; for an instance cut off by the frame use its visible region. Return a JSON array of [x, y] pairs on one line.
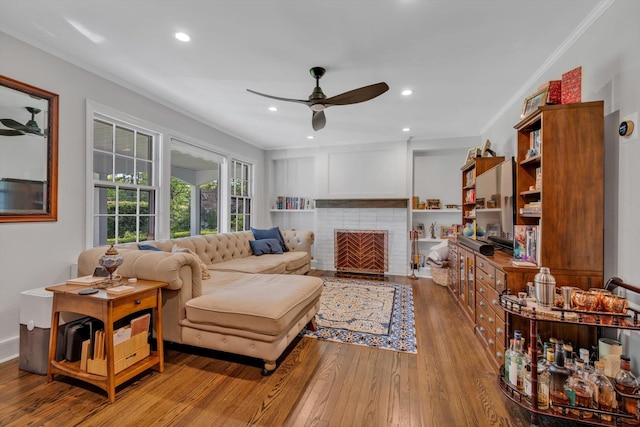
[[291, 210], [425, 239], [457, 211]]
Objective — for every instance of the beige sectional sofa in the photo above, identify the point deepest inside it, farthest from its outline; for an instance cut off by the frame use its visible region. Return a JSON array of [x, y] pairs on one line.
[[251, 305]]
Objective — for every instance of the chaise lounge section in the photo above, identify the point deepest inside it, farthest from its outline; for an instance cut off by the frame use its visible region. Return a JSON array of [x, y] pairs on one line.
[[250, 305]]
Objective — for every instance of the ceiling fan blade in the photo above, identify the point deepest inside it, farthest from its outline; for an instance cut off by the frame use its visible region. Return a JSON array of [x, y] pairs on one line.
[[10, 132], [318, 120], [301, 101], [357, 95], [10, 123]]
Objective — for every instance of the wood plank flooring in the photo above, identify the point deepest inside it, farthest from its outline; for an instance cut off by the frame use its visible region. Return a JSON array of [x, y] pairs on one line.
[[318, 383]]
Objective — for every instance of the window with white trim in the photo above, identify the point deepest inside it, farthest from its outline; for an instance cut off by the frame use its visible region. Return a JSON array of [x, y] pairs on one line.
[[125, 182], [240, 196]]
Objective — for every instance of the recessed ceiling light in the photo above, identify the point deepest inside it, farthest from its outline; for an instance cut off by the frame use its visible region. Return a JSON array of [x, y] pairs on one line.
[[273, 108], [407, 92], [183, 37], [406, 129], [310, 137]]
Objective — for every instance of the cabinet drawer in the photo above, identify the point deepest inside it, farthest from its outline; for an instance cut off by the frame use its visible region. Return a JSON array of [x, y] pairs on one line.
[[487, 272], [493, 300], [499, 353], [130, 304], [501, 281]]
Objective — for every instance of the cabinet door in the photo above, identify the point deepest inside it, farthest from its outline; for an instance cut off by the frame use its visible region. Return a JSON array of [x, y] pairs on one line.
[[470, 279], [462, 275]]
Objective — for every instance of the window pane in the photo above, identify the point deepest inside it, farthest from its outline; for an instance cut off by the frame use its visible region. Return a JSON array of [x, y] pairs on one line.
[[180, 208], [240, 206], [102, 136], [146, 228], [126, 228], [143, 172], [147, 203], [127, 202], [124, 170], [103, 198], [102, 166], [143, 146], [103, 230], [124, 141]]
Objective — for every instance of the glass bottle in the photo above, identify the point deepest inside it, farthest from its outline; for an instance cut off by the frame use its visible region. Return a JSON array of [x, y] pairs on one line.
[[543, 382], [507, 362], [559, 376], [627, 383], [604, 393], [581, 389]]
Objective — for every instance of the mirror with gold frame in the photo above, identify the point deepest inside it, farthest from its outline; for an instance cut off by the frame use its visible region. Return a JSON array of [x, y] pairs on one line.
[[28, 152]]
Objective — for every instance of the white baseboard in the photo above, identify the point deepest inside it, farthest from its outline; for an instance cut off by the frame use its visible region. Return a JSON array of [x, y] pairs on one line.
[[9, 349]]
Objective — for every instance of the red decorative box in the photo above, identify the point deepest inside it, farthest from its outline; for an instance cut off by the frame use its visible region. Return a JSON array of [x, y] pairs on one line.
[[555, 92], [571, 90]]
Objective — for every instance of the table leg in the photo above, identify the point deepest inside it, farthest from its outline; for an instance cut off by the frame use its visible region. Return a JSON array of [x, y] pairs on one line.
[[53, 336], [158, 325]]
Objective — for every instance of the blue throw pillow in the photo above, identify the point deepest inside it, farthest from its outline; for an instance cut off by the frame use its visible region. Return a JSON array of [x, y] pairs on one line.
[[270, 233], [146, 247], [265, 246]]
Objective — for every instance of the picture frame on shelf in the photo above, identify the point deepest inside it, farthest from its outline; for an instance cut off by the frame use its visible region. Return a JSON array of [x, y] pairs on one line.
[[446, 231], [458, 229], [471, 155], [534, 101], [419, 227], [433, 204]]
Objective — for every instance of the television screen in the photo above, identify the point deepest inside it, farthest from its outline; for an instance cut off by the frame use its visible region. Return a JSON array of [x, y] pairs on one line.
[[495, 203]]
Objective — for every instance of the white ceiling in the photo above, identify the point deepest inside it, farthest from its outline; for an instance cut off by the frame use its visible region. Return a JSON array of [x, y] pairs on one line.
[[464, 60]]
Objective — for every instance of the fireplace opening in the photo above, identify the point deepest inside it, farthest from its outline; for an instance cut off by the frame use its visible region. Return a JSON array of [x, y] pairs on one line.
[[361, 251]]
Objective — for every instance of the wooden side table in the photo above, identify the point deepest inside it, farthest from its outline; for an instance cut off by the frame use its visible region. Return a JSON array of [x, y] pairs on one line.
[[107, 308]]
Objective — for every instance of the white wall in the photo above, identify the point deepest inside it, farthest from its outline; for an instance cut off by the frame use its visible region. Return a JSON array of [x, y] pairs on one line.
[[609, 53], [34, 255]]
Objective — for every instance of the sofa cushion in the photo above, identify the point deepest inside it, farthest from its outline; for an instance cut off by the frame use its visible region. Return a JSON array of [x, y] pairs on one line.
[[261, 303], [268, 264], [203, 268], [265, 246], [270, 233]]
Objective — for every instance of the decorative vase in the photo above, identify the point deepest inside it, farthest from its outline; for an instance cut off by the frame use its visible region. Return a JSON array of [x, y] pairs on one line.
[[111, 260]]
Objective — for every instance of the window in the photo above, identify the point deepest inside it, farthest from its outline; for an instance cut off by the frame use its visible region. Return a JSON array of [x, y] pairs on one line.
[[124, 182], [195, 191], [240, 196]]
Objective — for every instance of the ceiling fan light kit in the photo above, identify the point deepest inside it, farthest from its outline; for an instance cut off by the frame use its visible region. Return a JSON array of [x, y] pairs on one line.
[[318, 101]]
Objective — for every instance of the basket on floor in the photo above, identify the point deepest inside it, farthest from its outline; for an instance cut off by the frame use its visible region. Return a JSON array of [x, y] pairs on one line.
[[440, 275]]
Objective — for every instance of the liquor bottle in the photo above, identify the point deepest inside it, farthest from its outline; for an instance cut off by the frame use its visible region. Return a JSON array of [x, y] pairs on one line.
[[604, 393], [559, 376], [580, 390], [526, 381], [627, 383], [507, 362], [543, 380]]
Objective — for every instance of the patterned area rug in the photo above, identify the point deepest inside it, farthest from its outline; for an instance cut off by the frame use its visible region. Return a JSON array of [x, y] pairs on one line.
[[375, 314]]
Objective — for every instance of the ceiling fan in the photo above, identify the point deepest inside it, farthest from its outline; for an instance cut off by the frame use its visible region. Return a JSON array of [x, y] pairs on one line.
[[16, 128], [318, 101]]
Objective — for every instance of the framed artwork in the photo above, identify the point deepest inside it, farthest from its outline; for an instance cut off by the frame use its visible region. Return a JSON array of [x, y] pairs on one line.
[[419, 227], [433, 203], [447, 232], [471, 154], [534, 101]]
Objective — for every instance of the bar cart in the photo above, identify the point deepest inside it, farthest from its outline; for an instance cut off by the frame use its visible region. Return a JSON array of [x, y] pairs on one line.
[[629, 320]]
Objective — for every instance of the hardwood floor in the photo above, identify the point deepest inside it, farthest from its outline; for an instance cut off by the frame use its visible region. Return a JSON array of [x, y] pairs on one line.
[[318, 383]]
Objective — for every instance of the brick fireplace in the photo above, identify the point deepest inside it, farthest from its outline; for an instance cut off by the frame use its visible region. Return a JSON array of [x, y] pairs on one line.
[[362, 215]]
